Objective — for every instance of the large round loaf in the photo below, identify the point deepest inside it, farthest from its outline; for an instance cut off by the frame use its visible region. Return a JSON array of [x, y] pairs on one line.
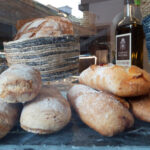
[[45, 27], [48, 113], [121, 81], [9, 114], [99, 110], [19, 83]]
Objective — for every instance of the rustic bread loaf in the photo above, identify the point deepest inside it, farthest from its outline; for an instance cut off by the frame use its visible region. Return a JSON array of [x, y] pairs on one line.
[[43, 27], [99, 110], [48, 113], [9, 114], [121, 81], [141, 107], [19, 83]]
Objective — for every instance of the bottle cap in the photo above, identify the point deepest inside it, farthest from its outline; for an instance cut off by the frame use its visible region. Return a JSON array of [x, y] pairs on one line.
[[128, 2], [137, 2]]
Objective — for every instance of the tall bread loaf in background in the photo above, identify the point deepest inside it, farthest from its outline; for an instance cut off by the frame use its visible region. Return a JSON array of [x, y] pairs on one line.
[[121, 81], [45, 27], [99, 110], [9, 115], [19, 83], [48, 113]]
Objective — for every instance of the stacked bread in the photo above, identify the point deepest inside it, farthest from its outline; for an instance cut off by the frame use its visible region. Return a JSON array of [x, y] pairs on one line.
[[44, 109], [105, 109], [48, 44], [99, 100]]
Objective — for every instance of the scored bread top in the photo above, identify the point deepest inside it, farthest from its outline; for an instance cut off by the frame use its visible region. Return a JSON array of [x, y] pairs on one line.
[[44, 27], [121, 81]]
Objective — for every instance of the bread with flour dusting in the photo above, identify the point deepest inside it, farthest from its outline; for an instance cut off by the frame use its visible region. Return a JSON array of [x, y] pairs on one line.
[[140, 107], [9, 115], [121, 81], [45, 27], [19, 83], [48, 113], [99, 110]]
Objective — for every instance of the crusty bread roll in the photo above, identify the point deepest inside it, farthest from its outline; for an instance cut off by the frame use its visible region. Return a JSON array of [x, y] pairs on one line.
[[9, 114], [141, 107], [121, 81], [99, 110], [19, 83], [43, 27], [48, 113]]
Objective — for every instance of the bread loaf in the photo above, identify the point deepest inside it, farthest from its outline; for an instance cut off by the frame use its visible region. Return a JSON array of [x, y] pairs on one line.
[[99, 110], [19, 83], [9, 114], [141, 107], [121, 81], [48, 113], [43, 27]]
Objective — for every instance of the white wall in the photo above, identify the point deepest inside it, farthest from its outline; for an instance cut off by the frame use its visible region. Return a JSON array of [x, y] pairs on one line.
[[106, 10]]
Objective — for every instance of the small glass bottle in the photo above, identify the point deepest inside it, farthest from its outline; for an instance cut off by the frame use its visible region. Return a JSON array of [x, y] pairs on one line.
[[129, 38]]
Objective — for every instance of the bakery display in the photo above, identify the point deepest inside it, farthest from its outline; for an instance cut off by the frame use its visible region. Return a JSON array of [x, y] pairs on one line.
[[140, 107], [100, 111], [9, 115], [121, 81], [19, 83], [45, 110], [45, 27], [48, 113]]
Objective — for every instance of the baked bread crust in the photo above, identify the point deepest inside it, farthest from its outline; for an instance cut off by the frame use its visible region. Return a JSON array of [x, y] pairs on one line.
[[37, 131], [121, 81], [48, 113], [99, 110], [19, 83], [44, 27], [141, 107], [9, 115]]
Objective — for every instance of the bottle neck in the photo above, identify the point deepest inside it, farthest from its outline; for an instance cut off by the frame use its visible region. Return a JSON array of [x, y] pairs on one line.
[[129, 14], [137, 11], [129, 11]]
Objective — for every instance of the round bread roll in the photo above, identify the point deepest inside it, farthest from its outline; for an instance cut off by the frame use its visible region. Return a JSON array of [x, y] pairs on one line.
[[141, 107], [9, 114], [48, 113], [100, 111], [45, 27], [19, 83], [121, 81]]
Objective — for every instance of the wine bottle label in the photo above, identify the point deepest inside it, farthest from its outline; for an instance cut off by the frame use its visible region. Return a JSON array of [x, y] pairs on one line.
[[123, 49]]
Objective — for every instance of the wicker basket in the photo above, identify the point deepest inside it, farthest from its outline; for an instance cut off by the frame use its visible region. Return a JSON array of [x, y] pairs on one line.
[[54, 57]]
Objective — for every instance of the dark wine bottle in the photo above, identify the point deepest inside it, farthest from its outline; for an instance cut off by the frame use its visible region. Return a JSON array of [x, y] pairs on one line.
[[129, 38]]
